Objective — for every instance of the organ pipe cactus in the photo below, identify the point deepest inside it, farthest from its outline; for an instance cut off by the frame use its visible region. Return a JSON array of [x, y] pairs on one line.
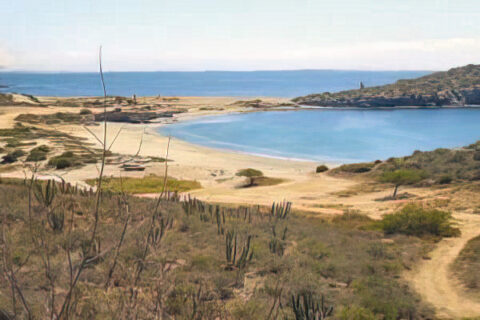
[[277, 245], [231, 251], [45, 195], [56, 220], [306, 307], [281, 210]]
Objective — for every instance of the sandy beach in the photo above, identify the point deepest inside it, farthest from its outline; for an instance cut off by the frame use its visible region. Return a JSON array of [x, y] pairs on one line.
[[214, 169]]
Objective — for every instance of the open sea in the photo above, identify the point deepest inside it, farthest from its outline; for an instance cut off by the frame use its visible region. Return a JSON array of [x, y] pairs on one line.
[[209, 83]]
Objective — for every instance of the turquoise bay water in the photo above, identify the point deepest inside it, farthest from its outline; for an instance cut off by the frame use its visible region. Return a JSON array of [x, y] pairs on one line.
[[333, 135]]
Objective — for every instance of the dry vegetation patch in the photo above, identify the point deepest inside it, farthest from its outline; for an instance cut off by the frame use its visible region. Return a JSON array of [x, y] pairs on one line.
[[467, 264], [180, 261], [148, 184]]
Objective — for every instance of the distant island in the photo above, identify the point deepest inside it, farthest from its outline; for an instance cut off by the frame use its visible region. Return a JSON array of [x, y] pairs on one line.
[[455, 87]]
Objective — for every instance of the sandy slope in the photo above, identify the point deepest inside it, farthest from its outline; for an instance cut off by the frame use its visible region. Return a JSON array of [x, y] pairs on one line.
[[434, 281]]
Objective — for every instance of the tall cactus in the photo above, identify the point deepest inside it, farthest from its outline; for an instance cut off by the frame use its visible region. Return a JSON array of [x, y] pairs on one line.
[[231, 251], [277, 245], [45, 195], [280, 210], [231, 247], [246, 255], [56, 220], [310, 308]]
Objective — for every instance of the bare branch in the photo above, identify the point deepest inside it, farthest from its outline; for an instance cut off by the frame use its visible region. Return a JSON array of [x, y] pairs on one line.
[[115, 138], [93, 134]]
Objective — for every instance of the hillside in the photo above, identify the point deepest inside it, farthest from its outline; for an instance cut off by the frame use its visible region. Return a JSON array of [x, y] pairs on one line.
[[455, 87], [166, 259]]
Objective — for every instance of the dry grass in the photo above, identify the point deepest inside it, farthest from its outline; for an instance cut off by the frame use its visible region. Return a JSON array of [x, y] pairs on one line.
[[467, 264], [186, 272], [148, 184]]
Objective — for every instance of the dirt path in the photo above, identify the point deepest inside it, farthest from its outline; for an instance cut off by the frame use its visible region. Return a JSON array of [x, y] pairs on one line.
[[434, 281]]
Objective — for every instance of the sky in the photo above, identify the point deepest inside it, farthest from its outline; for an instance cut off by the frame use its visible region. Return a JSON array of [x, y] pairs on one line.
[[191, 35]]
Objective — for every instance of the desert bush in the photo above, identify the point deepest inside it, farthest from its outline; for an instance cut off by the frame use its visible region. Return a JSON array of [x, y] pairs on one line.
[[353, 219], [446, 179], [85, 111], [356, 167], [321, 168], [38, 154], [13, 156], [381, 296], [416, 220], [356, 313], [61, 162]]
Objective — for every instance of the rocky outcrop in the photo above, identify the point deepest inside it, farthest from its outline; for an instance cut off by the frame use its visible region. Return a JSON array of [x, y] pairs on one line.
[[447, 98], [261, 104], [456, 87], [134, 117]]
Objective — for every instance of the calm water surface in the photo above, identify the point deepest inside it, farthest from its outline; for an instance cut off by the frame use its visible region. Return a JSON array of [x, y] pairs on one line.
[[333, 135], [209, 83]]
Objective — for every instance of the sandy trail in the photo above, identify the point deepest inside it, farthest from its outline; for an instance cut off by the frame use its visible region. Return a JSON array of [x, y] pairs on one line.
[[434, 281]]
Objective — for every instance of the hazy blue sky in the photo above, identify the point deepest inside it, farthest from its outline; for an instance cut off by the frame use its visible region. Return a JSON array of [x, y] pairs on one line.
[[239, 34]]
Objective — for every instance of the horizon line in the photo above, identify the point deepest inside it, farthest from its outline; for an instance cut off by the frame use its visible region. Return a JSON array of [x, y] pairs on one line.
[[205, 71]]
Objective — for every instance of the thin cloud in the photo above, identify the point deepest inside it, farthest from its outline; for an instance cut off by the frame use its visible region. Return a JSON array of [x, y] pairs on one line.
[[433, 54]]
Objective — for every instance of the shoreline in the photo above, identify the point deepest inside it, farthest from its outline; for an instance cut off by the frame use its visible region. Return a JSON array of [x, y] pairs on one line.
[[214, 168]]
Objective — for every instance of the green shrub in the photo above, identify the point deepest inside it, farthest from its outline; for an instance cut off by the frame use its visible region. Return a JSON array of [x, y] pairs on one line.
[[38, 154], [415, 220], [476, 156], [67, 154], [356, 313], [357, 167], [13, 156], [321, 168], [446, 179], [61, 163], [15, 143], [384, 297], [42, 148], [85, 111]]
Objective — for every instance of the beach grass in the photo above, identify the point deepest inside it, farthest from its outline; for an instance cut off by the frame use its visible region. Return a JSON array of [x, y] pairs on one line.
[[148, 184]]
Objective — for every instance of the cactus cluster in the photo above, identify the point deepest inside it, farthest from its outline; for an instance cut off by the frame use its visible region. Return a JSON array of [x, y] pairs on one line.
[[56, 220], [45, 194], [280, 210], [216, 214], [277, 244], [306, 307], [231, 249], [161, 225]]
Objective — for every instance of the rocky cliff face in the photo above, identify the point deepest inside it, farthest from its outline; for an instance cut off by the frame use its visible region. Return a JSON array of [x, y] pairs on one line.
[[456, 87], [446, 98]]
